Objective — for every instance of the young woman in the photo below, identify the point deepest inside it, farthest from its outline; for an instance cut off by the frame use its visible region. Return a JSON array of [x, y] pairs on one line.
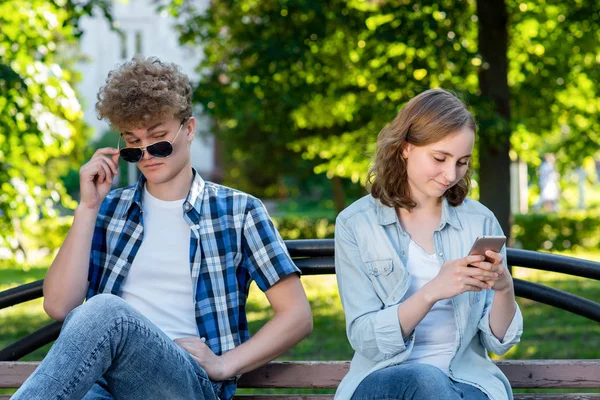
[[421, 314]]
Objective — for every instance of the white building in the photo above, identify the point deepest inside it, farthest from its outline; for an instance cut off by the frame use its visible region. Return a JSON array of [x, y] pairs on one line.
[[150, 33]]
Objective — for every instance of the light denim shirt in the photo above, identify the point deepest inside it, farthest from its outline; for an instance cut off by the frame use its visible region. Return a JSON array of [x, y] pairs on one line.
[[371, 250]]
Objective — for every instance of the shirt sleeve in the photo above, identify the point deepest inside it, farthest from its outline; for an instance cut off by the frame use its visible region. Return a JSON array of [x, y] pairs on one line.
[[265, 256], [97, 252], [515, 329], [511, 337], [372, 328]]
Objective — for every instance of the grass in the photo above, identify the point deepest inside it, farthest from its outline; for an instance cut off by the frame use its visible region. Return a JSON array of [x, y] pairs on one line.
[[22, 319], [323, 208], [549, 332]]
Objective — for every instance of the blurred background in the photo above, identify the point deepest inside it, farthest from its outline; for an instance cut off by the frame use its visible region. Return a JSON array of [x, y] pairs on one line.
[[290, 96]]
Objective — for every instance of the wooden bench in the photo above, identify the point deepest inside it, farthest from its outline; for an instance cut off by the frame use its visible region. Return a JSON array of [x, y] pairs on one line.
[[528, 374], [316, 257]]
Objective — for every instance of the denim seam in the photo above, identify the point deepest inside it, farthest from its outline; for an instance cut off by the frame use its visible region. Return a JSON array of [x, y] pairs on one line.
[[93, 356], [88, 362]]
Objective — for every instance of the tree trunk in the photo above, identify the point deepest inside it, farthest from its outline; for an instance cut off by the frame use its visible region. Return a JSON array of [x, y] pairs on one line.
[[494, 140], [339, 197]]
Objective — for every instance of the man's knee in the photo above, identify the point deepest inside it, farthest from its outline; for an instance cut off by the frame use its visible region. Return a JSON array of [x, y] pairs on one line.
[[101, 308]]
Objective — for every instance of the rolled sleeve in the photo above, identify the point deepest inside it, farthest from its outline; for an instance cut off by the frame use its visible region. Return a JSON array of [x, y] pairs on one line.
[[515, 329], [388, 333], [265, 256], [373, 330], [511, 337]]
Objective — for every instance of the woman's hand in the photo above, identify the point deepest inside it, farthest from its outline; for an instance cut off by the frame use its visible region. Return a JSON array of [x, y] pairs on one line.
[[496, 264], [214, 365], [467, 274]]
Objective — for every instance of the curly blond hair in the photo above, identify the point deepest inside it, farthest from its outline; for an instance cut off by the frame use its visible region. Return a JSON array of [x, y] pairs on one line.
[[142, 91], [428, 118]]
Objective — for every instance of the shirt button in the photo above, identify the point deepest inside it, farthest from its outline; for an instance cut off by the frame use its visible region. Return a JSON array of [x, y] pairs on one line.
[[441, 254], [375, 270], [187, 207], [403, 252]]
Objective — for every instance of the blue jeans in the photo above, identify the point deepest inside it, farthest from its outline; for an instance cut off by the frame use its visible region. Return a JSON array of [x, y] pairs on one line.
[[414, 382], [107, 350]]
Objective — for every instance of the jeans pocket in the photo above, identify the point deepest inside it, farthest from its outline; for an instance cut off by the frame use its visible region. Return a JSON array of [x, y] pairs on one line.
[[211, 390]]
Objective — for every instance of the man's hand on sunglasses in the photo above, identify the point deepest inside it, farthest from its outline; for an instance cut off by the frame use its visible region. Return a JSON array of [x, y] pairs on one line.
[[96, 177]]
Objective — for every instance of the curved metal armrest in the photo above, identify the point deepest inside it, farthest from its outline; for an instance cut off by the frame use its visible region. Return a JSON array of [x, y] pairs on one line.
[[557, 298], [31, 342], [553, 262], [21, 294]]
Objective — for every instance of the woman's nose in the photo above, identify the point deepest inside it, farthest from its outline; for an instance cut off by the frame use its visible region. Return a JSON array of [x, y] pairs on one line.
[[450, 174]]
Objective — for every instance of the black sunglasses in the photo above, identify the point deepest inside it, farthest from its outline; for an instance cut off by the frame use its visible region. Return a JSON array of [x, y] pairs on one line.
[[162, 149]]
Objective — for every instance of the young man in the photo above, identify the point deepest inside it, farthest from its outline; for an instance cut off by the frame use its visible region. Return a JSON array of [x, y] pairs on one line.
[[170, 263]]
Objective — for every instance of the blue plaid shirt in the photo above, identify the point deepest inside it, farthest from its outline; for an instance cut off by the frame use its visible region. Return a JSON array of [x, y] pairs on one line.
[[232, 242]]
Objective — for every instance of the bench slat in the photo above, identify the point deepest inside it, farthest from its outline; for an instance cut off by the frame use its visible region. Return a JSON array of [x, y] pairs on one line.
[[540, 396], [296, 374], [557, 396], [557, 374], [529, 396], [283, 397], [567, 374], [14, 373]]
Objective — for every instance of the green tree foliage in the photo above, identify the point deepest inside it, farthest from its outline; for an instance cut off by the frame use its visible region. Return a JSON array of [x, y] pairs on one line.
[[322, 78], [384, 64], [554, 75], [42, 132]]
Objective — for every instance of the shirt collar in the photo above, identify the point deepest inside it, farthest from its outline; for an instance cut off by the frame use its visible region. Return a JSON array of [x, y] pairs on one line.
[[193, 199], [196, 193], [387, 215], [449, 215], [137, 194]]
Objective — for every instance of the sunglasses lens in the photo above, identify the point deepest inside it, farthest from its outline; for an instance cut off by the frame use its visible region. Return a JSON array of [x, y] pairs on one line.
[[160, 149], [131, 155]]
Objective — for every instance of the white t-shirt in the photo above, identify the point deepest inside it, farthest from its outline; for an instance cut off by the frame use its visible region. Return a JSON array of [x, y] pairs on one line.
[[436, 333], [159, 283]]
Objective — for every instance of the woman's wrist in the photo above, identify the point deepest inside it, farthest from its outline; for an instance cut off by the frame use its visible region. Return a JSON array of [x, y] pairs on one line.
[[428, 294]]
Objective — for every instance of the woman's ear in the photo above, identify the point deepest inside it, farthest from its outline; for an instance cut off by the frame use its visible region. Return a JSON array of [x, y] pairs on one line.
[[406, 147]]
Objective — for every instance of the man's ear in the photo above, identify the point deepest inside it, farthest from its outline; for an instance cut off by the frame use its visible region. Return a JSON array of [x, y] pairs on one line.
[[190, 129]]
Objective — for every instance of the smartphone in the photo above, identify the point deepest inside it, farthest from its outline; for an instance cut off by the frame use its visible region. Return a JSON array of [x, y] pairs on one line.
[[483, 243]]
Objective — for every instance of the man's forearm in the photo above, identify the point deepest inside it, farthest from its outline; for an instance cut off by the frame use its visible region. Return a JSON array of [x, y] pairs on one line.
[[277, 336], [66, 282]]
